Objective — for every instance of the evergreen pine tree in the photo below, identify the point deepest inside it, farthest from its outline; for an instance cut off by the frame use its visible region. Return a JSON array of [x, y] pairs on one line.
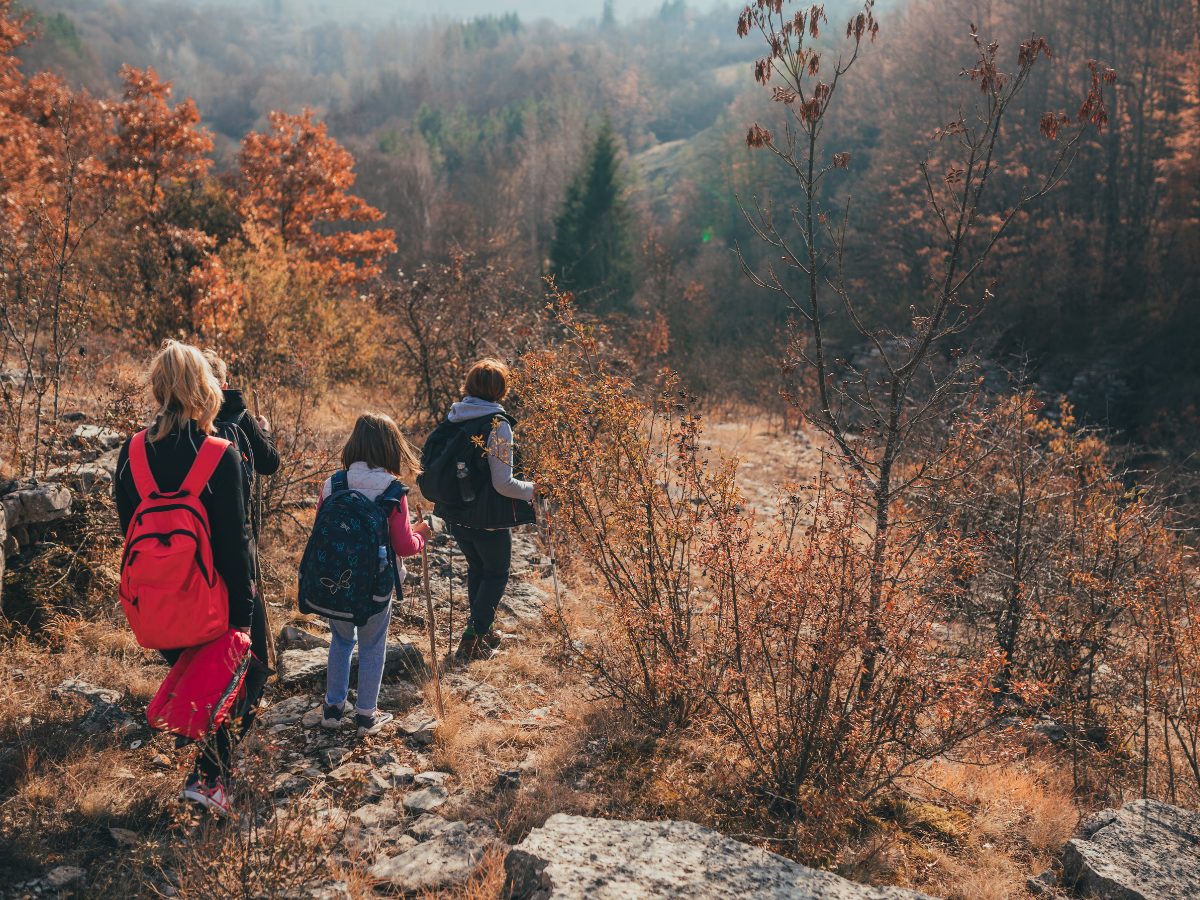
[[592, 253]]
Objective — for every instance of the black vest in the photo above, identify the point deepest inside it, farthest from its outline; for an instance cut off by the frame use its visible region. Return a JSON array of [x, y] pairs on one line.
[[491, 509]]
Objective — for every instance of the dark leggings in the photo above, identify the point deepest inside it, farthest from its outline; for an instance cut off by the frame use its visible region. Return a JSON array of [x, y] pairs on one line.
[[489, 558], [216, 751]]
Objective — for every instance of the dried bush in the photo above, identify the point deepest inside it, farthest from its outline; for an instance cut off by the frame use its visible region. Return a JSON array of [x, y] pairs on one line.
[[443, 319], [793, 621], [634, 498]]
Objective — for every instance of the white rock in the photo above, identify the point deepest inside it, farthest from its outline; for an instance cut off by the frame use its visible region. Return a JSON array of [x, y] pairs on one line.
[[36, 505], [441, 862], [296, 666], [1148, 851], [430, 798], [576, 858]]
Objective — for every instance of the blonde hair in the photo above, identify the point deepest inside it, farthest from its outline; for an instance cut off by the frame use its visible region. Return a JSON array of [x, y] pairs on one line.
[[488, 380], [184, 388], [219, 369], [377, 441]]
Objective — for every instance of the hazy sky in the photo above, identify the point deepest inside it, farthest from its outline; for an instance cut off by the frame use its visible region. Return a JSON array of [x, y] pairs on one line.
[[565, 12]]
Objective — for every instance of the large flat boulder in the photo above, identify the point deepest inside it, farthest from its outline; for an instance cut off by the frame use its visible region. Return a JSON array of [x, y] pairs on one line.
[[300, 666], [576, 858], [1146, 850]]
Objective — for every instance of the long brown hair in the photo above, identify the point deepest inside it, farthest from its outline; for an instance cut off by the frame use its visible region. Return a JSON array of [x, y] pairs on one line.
[[377, 441], [184, 388]]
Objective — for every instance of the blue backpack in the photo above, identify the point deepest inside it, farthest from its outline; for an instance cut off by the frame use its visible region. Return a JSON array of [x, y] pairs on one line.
[[342, 571]]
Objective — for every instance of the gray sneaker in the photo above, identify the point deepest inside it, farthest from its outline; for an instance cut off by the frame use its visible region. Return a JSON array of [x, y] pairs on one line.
[[368, 725], [331, 716]]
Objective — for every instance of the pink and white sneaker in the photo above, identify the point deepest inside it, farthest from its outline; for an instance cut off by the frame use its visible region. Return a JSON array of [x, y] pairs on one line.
[[209, 794]]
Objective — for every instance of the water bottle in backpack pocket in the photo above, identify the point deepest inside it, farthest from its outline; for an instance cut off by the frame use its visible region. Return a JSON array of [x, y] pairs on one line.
[[453, 466], [348, 568]]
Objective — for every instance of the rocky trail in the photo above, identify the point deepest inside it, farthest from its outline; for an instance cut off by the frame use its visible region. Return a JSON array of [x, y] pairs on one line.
[[475, 803]]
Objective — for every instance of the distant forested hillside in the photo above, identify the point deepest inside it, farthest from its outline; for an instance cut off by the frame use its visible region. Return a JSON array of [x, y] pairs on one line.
[[467, 135]]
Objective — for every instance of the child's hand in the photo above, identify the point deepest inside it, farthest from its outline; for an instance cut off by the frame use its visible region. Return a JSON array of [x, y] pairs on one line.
[[423, 530]]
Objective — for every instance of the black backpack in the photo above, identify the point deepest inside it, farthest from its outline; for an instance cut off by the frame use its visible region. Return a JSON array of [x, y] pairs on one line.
[[341, 572], [448, 445], [231, 430]]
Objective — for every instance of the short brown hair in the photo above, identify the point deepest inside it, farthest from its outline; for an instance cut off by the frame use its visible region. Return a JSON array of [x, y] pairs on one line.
[[219, 369], [377, 441], [488, 380]]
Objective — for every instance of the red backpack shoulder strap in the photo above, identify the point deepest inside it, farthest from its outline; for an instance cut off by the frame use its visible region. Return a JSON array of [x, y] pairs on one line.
[[206, 463], [139, 465]]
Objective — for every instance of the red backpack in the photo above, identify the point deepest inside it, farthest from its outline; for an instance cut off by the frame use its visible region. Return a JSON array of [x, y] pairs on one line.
[[200, 691], [172, 595]]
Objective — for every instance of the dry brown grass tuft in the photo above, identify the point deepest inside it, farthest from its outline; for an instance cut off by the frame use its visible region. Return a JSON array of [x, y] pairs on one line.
[[486, 884]]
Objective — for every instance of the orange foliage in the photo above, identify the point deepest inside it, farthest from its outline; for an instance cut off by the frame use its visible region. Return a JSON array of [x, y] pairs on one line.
[[294, 179], [169, 271]]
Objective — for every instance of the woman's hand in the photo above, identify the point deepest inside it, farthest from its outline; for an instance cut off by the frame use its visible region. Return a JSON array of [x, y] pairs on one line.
[[263, 424], [423, 530]]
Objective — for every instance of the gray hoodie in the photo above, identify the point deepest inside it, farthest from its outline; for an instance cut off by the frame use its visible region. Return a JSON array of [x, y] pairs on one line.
[[499, 445]]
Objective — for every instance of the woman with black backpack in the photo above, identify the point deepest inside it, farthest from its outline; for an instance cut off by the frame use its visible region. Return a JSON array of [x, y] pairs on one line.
[[482, 520]]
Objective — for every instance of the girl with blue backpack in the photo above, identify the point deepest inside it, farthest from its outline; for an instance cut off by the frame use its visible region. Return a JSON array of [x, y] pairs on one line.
[[353, 562]]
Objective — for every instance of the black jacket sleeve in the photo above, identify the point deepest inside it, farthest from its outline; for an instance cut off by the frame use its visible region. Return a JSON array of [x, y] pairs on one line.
[[124, 493], [266, 456], [226, 506]]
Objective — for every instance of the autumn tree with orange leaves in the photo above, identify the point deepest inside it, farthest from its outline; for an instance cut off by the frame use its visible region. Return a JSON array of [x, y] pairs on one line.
[[293, 181], [56, 189], [167, 279]]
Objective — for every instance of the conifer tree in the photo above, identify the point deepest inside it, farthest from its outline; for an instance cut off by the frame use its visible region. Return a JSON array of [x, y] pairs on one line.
[[592, 253]]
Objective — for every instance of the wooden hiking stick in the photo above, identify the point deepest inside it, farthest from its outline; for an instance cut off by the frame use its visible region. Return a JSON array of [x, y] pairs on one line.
[[450, 627], [437, 678], [272, 652]]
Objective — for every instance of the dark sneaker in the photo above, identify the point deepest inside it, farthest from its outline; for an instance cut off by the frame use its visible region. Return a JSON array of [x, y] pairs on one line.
[[492, 638], [331, 716], [368, 725], [472, 648]]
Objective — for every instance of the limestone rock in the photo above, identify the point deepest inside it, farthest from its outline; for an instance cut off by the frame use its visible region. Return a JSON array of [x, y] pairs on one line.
[[36, 505], [441, 862], [333, 756], [297, 705], [427, 778], [299, 666], [86, 689], [1148, 851], [98, 436], [484, 698], [301, 639], [64, 875], [573, 858], [429, 798], [419, 726], [374, 815], [524, 602], [89, 475], [124, 836], [431, 825]]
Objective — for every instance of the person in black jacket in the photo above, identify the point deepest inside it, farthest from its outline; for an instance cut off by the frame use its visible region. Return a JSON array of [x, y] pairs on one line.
[[189, 398], [252, 434], [483, 527]]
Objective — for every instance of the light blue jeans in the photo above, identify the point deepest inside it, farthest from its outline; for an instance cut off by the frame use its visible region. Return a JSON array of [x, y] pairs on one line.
[[372, 648]]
